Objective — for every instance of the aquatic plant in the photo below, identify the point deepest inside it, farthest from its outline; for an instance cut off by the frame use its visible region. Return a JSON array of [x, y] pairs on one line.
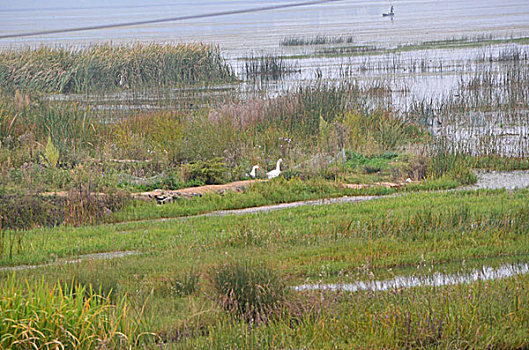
[[107, 67], [317, 40]]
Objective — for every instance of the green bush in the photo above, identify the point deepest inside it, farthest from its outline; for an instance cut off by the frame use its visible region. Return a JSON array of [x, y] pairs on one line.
[[209, 172]]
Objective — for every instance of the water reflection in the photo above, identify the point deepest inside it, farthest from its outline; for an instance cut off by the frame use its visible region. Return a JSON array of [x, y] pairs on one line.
[[435, 280]]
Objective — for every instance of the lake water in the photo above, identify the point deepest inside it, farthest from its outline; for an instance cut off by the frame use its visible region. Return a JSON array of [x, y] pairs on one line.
[[415, 20], [432, 76]]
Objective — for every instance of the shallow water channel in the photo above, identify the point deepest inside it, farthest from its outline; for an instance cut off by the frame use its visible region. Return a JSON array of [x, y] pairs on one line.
[[435, 280]]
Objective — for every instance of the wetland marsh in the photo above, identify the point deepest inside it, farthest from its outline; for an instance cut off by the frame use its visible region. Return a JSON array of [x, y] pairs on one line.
[[400, 218]]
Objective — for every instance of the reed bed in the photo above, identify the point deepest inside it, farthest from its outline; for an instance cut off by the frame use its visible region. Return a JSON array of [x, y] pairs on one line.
[[106, 67], [311, 128], [317, 40], [268, 67]]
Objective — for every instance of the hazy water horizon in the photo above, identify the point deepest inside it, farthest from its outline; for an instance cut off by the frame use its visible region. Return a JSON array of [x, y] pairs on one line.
[[415, 20]]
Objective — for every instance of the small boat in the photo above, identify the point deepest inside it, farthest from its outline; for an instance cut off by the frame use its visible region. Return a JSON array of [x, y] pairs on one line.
[[390, 13]]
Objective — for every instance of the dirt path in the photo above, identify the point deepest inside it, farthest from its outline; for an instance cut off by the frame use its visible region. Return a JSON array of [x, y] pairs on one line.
[[273, 207], [164, 196]]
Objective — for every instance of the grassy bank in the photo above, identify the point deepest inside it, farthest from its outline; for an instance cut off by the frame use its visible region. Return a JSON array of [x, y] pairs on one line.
[[458, 225], [173, 279]]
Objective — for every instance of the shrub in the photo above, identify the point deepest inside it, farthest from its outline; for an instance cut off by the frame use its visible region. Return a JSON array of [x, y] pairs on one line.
[[209, 172], [51, 154], [22, 212]]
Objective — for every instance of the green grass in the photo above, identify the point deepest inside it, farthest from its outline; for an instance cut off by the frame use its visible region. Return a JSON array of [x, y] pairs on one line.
[[258, 194], [311, 244], [67, 316], [441, 226], [480, 315]]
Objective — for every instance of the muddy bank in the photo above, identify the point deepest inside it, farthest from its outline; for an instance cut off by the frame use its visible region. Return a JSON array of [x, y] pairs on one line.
[[166, 196]]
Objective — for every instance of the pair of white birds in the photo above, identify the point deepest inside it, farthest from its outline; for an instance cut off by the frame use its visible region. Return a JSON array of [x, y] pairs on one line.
[[271, 174]]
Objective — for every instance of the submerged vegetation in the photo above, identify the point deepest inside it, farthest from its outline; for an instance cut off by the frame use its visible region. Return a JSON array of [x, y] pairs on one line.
[[71, 168]]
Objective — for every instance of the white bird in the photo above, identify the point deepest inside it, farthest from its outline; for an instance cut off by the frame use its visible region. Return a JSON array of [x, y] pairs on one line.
[[252, 173], [276, 172]]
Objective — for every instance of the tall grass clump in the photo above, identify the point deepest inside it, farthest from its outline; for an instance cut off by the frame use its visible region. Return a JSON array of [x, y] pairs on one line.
[[378, 131], [268, 67], [185, 283], [35, 124], [249, 290], [58, 316], [444, 160], [107, 67]]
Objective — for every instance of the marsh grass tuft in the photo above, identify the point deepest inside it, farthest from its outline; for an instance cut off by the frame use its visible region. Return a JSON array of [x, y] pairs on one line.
[[317, 40], [186, 283], [268, 67], [249, 290]]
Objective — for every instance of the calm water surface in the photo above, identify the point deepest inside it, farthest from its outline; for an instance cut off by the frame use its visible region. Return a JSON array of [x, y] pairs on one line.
[[415, 20]]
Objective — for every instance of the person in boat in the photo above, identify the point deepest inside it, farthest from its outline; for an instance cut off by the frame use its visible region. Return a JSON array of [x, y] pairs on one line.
[[391, 13]]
